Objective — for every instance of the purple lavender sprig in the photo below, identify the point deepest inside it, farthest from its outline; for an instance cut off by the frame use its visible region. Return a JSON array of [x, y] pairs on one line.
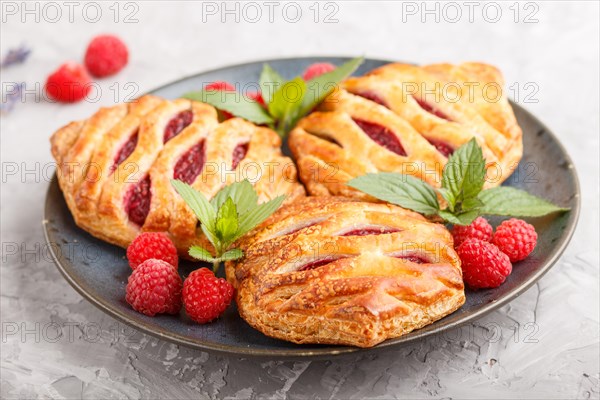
[[15, 56], [12, 98]]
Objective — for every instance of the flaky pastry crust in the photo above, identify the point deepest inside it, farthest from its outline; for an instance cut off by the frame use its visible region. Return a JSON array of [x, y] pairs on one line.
[[115, 168], [340, 271], [407, 119]]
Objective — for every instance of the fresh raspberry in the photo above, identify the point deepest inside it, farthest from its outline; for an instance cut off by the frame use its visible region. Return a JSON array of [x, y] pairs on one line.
[[69, 83], [220, 86], [154, 287], [515, 238], [483, 264], [149, 245], [106, 55], [479, 229], [224, 87], [317, 69], [205, 296], [256, 96]]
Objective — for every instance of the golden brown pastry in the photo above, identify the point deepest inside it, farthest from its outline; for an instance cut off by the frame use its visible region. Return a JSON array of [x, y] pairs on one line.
[[339, 271], [115, 168], [407, 119]]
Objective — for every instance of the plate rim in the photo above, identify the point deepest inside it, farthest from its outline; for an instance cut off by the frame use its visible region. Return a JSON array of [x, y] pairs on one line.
[[299, 352]]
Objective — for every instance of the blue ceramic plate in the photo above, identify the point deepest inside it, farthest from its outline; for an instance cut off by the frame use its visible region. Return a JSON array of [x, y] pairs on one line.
[[99, 271]]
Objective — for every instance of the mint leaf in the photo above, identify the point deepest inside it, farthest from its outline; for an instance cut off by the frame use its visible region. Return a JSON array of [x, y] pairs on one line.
[[464, 218], [232, 212], [286, 103], [403, 190], [234, 103], [286, 97], [198, 203], [200, 253], [509, 201], [232, 254], [321, 86], [227, 222], [242, 193], [269, 82], [254, 217], [463, 175]]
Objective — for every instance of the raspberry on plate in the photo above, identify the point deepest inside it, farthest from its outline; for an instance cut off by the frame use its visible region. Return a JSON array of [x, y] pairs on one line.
[[478, 229], [483, 264], [106, 55], [205, 296], [317, 69], [221, 86], [149, 245], [69, 83], [515, 238], [256, 96], [154, 287]]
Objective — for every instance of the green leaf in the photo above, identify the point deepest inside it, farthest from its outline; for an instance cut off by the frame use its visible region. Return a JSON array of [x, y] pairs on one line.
[[200, 253], [322, 85], [242, 193], [464, 218], [403, 190], [286, 103], [227, 222], [509, 201], [269, 82], [198, 203], [232, 254], [234, 103], [286, 97], [464, 174], [254, 217]]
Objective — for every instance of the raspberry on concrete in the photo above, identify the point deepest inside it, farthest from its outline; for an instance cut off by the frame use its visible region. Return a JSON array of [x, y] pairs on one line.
[[149, 245], [154, 287], [205, 296], [106, 55], [515, 238], [69, 83], [483, 264], [478, 229]]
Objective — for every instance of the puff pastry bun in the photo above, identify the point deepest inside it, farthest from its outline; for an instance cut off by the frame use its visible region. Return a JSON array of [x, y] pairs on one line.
[[115, 168], [339, 271], [407, 119]]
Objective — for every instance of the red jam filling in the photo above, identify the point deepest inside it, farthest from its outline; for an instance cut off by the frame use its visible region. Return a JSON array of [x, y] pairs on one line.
[[125, 151], [382, 136], [137, 203], [238, 154], [370, 231], [318, 263], [373, 97], [431, 109], [414, 258], [177, 124], [442, 147], [190, 164]]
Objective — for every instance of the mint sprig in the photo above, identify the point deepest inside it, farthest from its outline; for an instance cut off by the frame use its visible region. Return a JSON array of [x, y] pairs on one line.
[[229, 215], [462, 183], [286, 101]]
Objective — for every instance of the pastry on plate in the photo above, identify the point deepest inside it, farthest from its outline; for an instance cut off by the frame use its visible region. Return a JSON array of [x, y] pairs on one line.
[[407, 119], [115, 167], [341, 271]]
